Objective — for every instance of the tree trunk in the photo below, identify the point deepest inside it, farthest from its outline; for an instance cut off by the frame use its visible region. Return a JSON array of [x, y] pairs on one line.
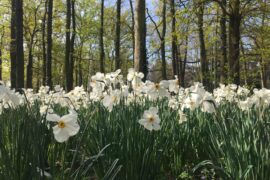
[[179, 64], [223, 48], [101, 44], [76, 69], [38, 73], [234, 39], [117, 36], [67, 53], [1, 56], [1, 64], [163, 52], [203, 58], [13, 45], [183, 71], [264, 62], [140, 63], [43, 29], [72, 42], [29, 73], [174, 39], [245, 63], [80, 67], [49, 45], [19, 42], [132, 31]]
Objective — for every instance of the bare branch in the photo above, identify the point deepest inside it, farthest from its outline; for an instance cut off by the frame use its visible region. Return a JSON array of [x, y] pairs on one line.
[[156, 27]]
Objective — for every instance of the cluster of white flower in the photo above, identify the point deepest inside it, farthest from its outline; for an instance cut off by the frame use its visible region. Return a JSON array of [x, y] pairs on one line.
[[8, 98], [110, 88], [260, 99]]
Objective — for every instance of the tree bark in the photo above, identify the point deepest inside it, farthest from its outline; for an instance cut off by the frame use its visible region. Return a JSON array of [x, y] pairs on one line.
[[72, 43], [117, 36], [80, 66], [216, 53], [234, 41], [19, 42], [223, 48], [132, 29], [67, 53], [43, 29], [183, 71], [234, 13], [264, 62], [174, 41], [13, 45], [29, 71], [38, 73], [140, 64], [1, 55], [203, 57], [163, 52], [1, 63], [245, 64], [49, 45], [101, 44]]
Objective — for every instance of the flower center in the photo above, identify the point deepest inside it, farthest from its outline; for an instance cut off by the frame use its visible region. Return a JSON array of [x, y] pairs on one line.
[[114, 99], [151, 119], [94, 81], [192, 103], [157, 86], [61, 124]]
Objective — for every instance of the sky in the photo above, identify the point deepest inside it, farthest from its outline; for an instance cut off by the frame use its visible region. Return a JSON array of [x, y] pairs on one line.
[[150, 4]]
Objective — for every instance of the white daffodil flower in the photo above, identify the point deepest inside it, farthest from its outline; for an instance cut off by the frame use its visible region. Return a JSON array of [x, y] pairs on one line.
[[43, 90], [155, 90], [58, 88], [246, 105], [98, 82], [132, 74], [192, 102], [44, 109], [113, 77], [66, 126], [173, 103], [135, 78], [8, 96], [111, 99], [174, 85], [150, 119], [208, 103]]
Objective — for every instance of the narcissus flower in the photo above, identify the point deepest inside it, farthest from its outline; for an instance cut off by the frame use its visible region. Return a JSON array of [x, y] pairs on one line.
[[174, 85], [9, 97], [208, 103], [44, 109], [133, 75], [150, 119], [155, 90], [66, 126], [112, 99]]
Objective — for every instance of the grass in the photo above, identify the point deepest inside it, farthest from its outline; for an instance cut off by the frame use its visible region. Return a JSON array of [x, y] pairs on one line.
[[230, 144]]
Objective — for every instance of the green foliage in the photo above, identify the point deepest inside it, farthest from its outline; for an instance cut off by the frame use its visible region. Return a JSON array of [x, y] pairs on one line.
[[231, 144]]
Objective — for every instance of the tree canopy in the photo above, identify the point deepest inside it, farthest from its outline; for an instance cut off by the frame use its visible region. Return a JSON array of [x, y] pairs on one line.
[[45, 42]]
